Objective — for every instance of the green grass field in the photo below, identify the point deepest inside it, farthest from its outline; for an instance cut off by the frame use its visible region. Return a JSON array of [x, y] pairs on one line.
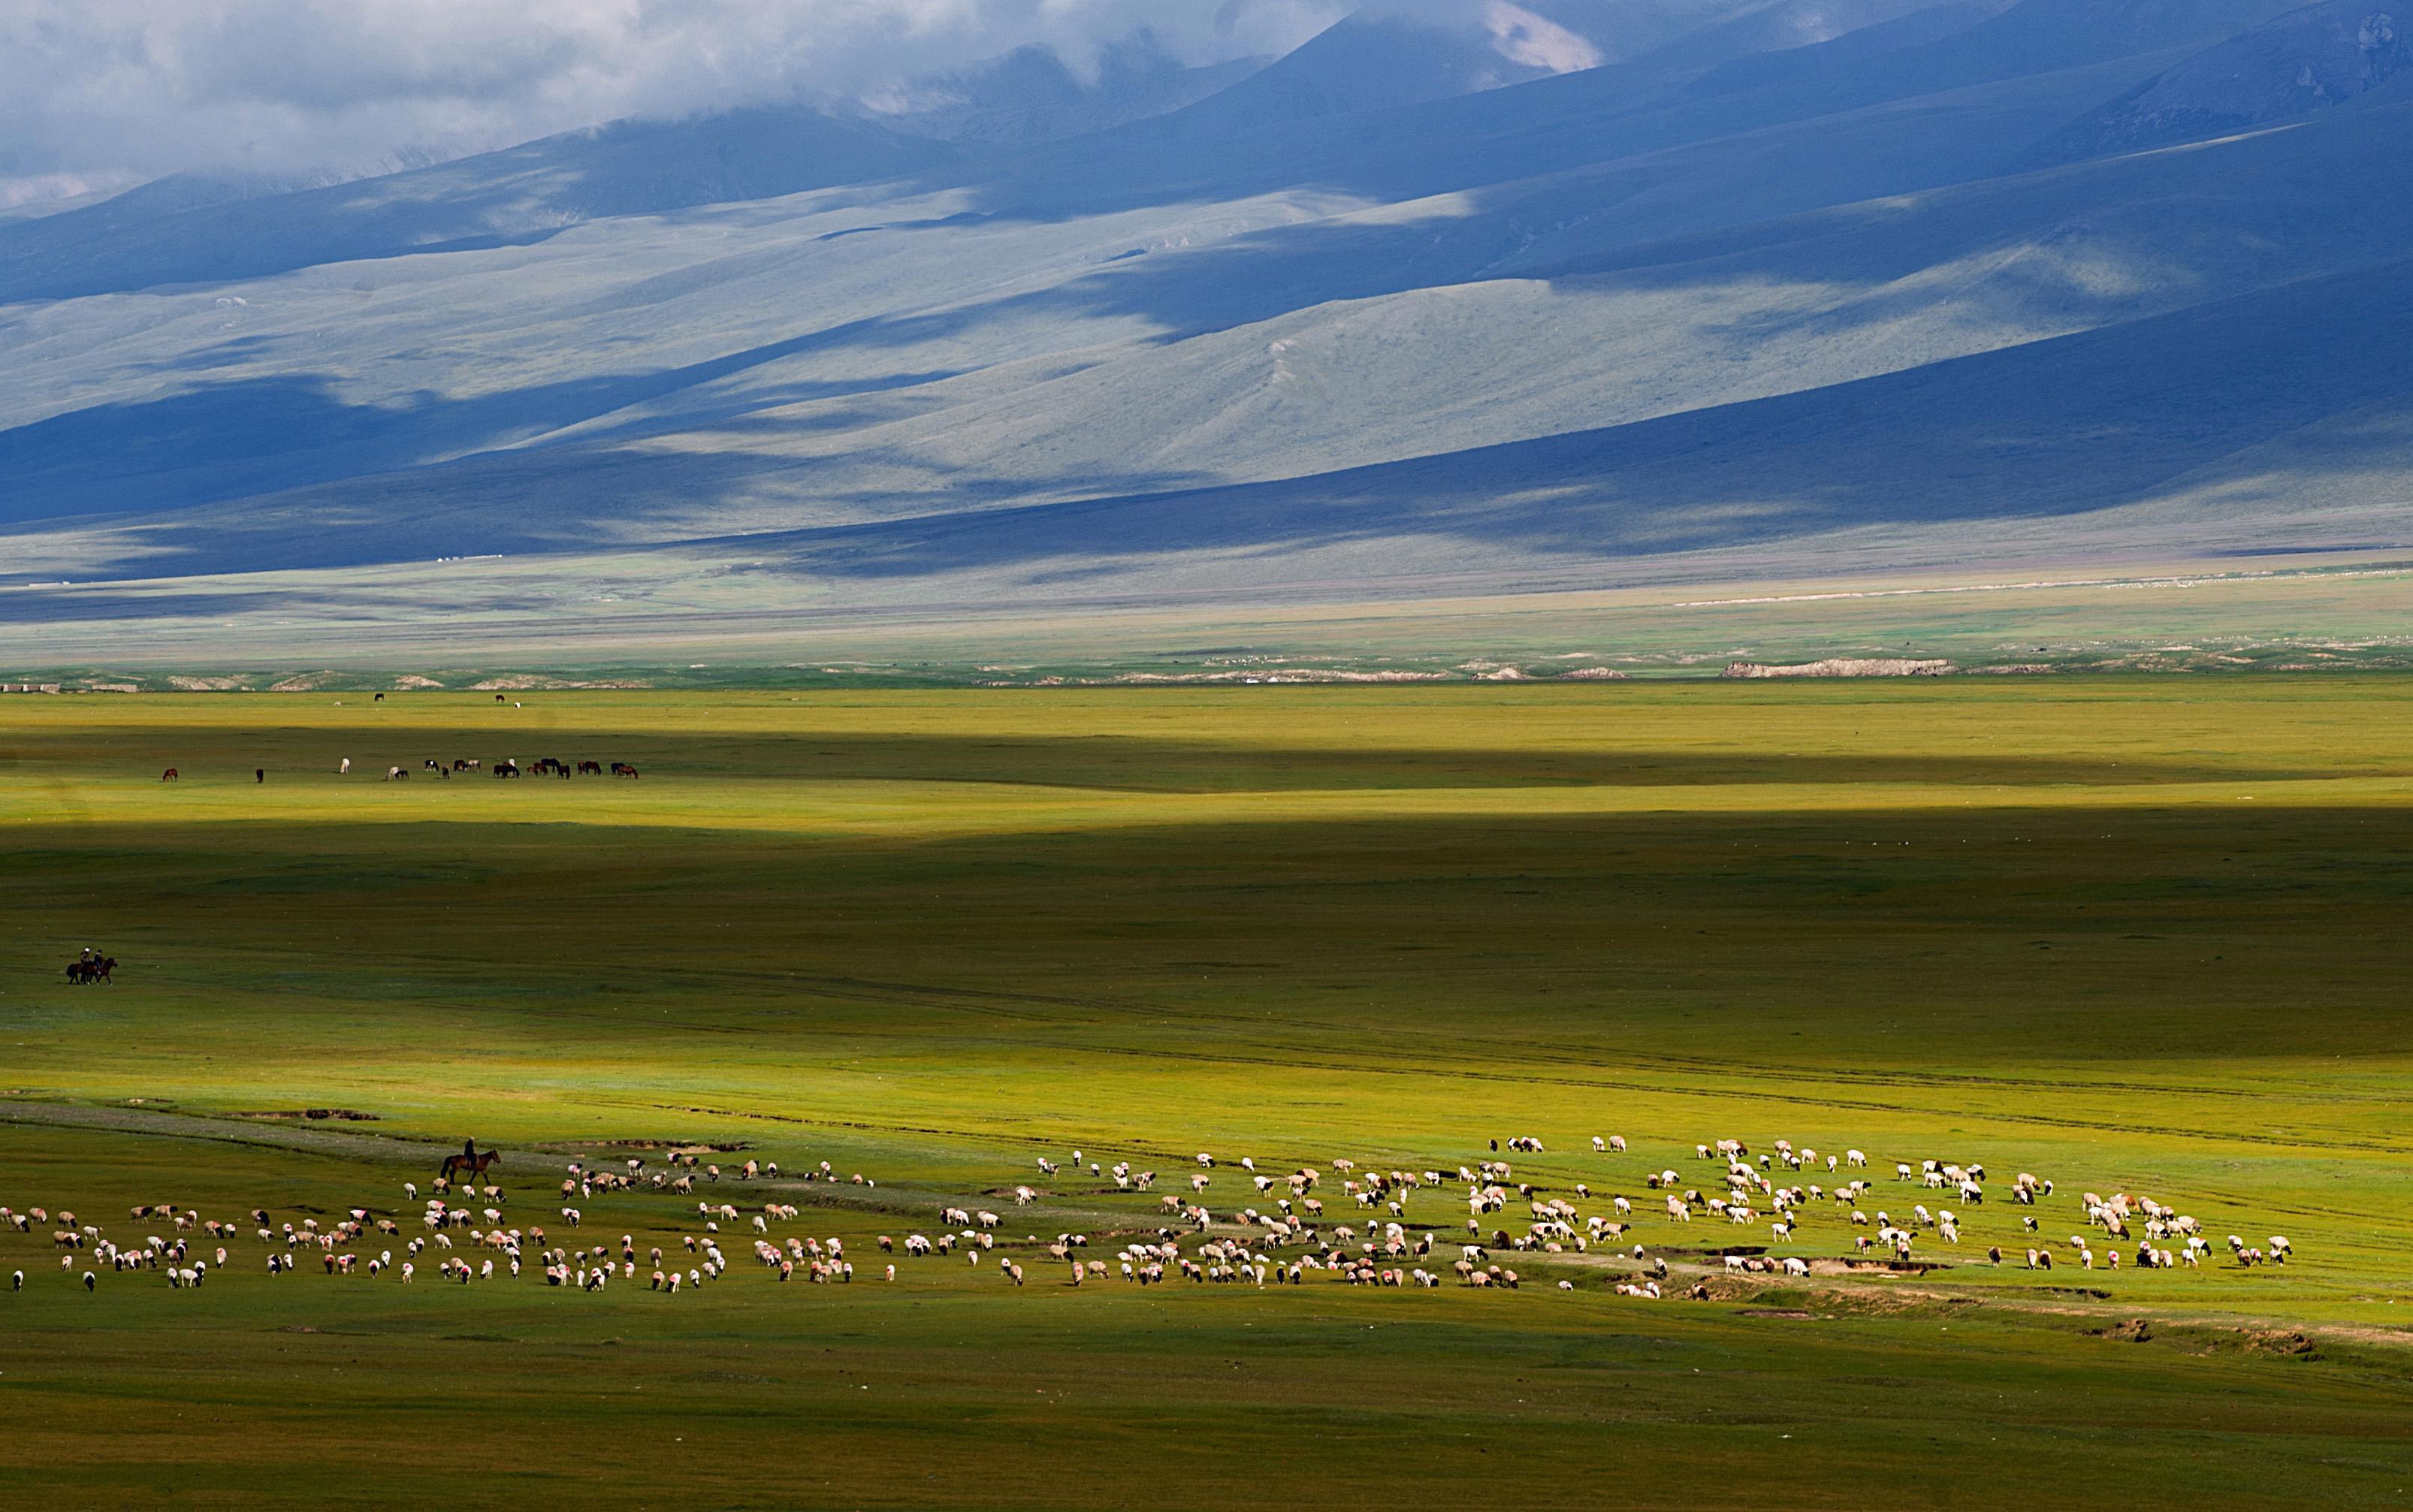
[[2133, 935]]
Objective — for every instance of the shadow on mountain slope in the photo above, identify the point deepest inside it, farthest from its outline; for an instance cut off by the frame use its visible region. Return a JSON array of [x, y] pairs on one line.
[[264, 435], [2092, 243], [515, 197], [2096, 420], [2081, 423]]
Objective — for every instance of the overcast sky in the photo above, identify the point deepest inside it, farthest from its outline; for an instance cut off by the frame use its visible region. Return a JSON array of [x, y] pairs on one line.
[[102, 93]]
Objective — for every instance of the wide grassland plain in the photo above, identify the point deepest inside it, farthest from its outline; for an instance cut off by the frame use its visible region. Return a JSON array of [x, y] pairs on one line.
[[2134, 934]]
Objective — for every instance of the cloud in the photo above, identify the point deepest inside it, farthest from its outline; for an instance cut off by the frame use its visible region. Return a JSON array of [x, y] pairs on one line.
[[100, 89], [1523, 37], [49, 189]]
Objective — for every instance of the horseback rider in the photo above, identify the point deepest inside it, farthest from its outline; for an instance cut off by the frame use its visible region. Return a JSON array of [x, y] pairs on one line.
[[469, 1150]]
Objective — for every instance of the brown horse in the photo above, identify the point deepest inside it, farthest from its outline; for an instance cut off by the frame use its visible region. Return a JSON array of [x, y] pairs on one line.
[[84, 973], [455, 1165], [167, 776]]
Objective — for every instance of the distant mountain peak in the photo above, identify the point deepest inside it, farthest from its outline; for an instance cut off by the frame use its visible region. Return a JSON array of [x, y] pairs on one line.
[[1032, 95]]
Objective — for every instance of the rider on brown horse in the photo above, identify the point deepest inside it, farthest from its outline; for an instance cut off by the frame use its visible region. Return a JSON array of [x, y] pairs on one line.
[[468, 1161]]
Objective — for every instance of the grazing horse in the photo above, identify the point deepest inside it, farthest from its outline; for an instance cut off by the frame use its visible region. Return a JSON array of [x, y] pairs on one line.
[[464, 764], [623, 769], [586, 769], [475, 1166], [397, 774], [167, 776], [507, 768]]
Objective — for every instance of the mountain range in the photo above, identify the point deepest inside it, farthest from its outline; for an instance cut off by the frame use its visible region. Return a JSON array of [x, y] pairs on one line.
[[1561, 296]]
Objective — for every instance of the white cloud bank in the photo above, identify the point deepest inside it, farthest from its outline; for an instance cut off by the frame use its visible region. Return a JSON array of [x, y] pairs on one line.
[[97, 90]]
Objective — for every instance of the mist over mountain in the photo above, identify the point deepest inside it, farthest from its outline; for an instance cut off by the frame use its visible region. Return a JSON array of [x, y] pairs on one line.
[[1417, 307]]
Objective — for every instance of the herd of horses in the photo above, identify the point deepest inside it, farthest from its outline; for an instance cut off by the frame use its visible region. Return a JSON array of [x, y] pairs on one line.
[[507, 767]]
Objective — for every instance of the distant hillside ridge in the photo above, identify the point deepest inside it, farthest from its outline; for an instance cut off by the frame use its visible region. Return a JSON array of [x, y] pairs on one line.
[[2316, 58]]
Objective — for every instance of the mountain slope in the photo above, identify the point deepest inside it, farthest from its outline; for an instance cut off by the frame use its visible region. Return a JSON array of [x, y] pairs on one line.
[[2320, 56], [513, 197], [851, 426], [1470, 140], [1778, 26], [1555, 331], [657, 327], [2031, 36], [1817, 59], [2106, 436]]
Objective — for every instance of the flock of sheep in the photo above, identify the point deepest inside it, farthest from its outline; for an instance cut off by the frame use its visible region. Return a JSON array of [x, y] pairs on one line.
[[1281, 1235]]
